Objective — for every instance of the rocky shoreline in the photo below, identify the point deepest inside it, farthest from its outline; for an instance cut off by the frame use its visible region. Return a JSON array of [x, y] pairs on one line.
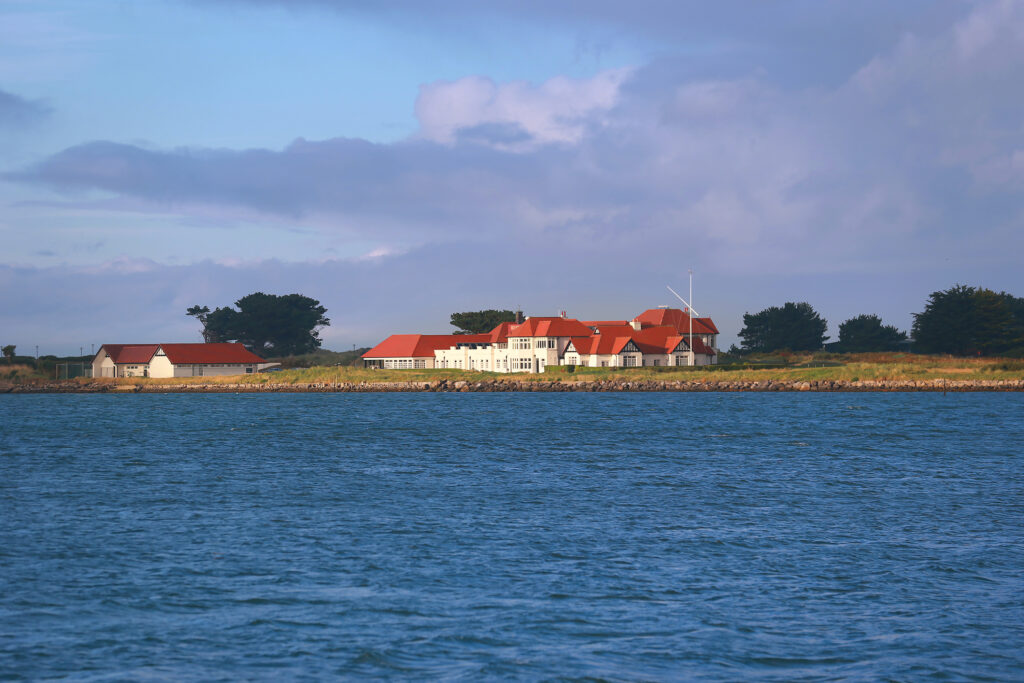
[[502, 385]]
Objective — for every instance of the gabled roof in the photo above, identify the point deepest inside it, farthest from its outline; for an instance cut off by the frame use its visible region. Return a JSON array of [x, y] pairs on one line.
[[549, 327], [421, 345], [660, 339], [615, 330], [499, 335], [706, 322], [611, 339], [220, 353], [665, 339], [673, 317], [601, 344], [129, 353], [181, 354]]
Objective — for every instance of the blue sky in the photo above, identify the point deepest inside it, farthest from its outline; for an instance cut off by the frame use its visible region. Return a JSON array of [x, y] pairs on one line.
[[400, 161]]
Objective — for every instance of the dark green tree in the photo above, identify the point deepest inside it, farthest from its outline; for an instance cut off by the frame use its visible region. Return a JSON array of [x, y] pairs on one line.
[[222, 324], [796, 327], [965, 321], [268, 324], [867, 333], [8, 352], [480, 322], [202, 314]]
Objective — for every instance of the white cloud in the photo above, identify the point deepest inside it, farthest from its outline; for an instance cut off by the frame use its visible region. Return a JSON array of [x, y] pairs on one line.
[[516, 115], [915, 158]]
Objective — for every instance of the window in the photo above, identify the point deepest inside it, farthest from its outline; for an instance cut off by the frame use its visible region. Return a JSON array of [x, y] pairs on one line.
[[629, 361], [420, 364], [657, 361]]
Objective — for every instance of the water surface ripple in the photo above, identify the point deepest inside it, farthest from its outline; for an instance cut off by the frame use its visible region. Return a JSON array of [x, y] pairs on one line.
[[524, 536]]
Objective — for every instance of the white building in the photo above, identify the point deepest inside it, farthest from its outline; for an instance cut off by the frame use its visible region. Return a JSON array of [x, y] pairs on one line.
[[657, 337], [175, 360]]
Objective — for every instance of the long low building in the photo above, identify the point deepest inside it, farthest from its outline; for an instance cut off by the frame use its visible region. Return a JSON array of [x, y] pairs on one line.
[[656, 337], [175, 360]]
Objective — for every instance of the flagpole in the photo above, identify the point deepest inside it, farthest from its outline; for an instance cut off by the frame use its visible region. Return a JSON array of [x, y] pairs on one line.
[[693, 358]]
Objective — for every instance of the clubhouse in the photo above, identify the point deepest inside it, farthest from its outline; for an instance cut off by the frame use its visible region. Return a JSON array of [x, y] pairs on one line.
[[656, 337]]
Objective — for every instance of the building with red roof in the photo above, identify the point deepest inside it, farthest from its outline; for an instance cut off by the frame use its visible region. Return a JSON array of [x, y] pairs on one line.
[[175, 360], [414, 351], [656, 337]]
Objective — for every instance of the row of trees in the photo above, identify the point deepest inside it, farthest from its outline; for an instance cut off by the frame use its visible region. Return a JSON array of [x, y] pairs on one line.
[[970, 321], [960, 321]]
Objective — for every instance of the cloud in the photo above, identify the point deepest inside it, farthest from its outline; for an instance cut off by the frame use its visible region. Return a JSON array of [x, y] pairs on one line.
[[914, 159], [515, 116], [61, 308], [17, 111], [800, 42]]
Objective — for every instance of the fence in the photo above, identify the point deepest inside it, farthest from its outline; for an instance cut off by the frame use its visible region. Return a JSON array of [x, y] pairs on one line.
[[73, 370]]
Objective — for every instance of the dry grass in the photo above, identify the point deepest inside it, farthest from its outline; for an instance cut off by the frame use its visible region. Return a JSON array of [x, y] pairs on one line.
[[16, 372], [869, 366]]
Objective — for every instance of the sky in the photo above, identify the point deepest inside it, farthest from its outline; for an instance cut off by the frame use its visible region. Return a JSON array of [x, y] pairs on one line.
[[400, 161]]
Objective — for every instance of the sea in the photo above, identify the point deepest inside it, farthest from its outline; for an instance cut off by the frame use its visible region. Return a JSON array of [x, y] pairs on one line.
[[515, 536]]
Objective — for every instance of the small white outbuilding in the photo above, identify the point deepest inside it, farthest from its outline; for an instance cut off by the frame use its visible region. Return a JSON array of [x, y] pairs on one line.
[[175, 360]]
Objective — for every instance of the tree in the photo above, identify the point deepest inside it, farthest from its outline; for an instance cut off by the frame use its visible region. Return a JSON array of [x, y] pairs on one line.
[[480, 322], [202, 314], [966, 321], [8, 352], [793, 326], [866, 333], [267, 324]]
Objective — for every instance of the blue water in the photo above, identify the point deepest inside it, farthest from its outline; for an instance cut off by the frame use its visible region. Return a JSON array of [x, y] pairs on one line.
[[524, 536]]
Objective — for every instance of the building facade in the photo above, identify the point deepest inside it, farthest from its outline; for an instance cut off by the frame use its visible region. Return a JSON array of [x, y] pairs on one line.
[[657, 337], [175, 360]]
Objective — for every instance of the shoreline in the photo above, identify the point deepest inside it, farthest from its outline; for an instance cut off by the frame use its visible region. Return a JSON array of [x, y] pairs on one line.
[[507, 385]]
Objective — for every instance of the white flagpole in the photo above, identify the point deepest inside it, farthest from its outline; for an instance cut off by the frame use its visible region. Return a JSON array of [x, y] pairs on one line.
[[689, 315]]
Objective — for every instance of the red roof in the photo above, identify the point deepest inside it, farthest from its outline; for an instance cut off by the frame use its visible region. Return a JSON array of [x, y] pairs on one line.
[[549, 327], [602, 344], [422, 345], [676, 318], [616, 330], [182, 354], [602, 323], [222, 353], [708, 323], [611, 339], [130, 353], [499, 335], [662, 330], [665, 339]]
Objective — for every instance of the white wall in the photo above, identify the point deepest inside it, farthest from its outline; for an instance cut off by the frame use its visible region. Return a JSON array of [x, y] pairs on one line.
[[199, 370], [102, 366], [159, 366], [405, 363]]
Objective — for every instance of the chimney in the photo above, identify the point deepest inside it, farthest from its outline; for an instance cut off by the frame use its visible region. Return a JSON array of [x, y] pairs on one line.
[[635, 324], [519, 317]]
